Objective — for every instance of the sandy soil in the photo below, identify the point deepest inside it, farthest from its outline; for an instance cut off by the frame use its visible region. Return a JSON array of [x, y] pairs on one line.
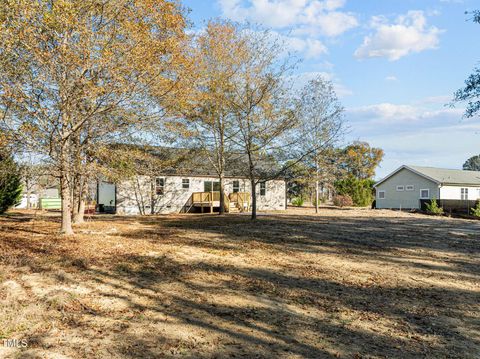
[[343, 283]]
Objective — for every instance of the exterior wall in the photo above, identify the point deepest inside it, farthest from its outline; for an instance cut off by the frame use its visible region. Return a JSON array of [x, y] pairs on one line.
[[274, 198], [454, 192], [404, 199], [131, 193]]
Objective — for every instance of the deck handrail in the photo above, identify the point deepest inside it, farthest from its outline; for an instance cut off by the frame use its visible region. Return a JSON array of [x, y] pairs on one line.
[[241, 199]]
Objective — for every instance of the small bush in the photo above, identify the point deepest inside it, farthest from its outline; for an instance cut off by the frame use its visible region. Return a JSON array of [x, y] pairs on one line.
[[433, 207], [297, 201], [321, 199], [343, 201], [476, 210]]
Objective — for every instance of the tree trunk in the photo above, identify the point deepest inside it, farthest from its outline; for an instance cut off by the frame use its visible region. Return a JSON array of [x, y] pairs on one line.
[[65, 190], [27, 184], [254, 199], [316, 183], [222, 194], [79, 211], [152, 195], [76, 189]]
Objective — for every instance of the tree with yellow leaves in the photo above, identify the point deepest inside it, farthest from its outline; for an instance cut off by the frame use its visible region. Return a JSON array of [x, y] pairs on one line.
[[217, 55], [74, 72]]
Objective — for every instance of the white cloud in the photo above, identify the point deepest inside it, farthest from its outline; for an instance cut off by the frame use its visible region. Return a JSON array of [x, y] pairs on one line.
[[311, 17], [340, 89], [424, 132], [311, 48], [393, 114], [391, 78], [386, 113], [408, 34]]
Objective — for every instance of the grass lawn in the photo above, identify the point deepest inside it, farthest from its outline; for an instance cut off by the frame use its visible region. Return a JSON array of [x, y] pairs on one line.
[[344, 283]]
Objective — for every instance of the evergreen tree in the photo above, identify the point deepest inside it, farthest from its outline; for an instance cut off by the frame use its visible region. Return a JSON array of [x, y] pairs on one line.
[[10, 182], [472, 164]]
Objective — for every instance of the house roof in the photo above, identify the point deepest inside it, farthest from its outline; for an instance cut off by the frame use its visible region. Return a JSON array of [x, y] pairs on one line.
[[442, 176], [195, 162]]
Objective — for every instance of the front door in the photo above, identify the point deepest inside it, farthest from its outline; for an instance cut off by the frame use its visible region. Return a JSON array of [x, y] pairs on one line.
[[211, 186]]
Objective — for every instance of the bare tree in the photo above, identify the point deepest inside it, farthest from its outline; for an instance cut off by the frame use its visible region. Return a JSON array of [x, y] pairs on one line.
[[263, 110], [320, 126]]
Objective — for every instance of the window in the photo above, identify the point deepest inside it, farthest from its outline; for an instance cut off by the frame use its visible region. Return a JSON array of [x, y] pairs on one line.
[[160, 186], [410, 187], [381, 194], [464, 193], [210, 186], [236, 186], [424, 194], [185, 183], [263, 189], [400, 188]]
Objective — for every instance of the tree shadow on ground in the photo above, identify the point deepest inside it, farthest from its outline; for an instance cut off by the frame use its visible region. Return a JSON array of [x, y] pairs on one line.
[[197, 307]]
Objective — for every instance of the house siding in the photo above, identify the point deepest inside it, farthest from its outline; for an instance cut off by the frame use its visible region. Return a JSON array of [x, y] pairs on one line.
[[454, 192], [404, 199], [175, 197]]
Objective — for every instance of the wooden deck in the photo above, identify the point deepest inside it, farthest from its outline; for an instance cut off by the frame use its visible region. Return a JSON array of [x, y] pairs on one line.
[[207, 201]]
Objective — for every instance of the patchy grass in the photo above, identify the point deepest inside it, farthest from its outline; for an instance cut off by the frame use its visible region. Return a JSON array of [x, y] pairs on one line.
[[344, 283]]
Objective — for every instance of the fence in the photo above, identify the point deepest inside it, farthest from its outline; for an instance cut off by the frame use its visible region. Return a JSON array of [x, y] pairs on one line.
[[451, 205]]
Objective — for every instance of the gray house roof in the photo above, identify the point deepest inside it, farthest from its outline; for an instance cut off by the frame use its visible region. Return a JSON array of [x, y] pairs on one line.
[[174, 161], [442, 176]]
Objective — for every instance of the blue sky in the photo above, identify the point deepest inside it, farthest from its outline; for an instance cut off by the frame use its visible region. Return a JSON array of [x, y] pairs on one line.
[[395, 65]]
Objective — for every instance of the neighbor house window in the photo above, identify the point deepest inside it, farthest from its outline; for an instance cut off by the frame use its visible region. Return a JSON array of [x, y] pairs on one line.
[[185, 183], [263, 189], [160, 186], [381, 194], [410, 187], [424, 193], [464, 193], [400, 188], [236, 186]]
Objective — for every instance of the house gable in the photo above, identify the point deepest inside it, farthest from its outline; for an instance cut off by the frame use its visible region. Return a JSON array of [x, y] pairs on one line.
[[402, 189]]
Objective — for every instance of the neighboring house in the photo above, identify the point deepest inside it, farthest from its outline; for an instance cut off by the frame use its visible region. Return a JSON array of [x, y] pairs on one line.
[[185, 188], [408, 185]]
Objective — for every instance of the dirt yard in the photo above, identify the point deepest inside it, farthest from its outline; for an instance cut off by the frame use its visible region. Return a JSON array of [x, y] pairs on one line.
[[344, 283]]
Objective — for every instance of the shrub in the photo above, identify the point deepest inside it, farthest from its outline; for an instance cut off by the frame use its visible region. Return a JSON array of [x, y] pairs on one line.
[[343, 201], [359, 190], [10, 182], [321, 199], [476, 209], [433, 207], [297, 201]]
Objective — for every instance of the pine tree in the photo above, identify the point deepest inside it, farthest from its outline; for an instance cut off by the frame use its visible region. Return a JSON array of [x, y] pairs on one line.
[[10, 182]]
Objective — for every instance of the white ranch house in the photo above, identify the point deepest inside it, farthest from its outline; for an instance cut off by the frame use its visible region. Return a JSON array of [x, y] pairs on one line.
[[183, 194], [408, 185], [188, 186]]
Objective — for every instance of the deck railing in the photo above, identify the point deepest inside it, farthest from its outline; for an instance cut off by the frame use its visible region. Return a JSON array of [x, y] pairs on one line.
[[241, 199], [207, 200]]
